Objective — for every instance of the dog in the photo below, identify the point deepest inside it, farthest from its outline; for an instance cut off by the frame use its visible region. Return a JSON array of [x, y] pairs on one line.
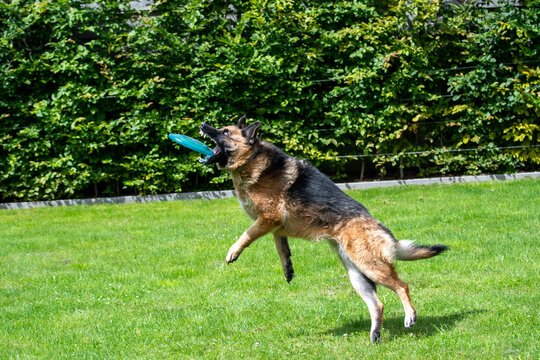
[[289, 197]]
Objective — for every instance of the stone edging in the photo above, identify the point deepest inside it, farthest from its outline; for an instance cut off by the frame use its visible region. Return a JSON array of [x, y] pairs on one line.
[[231, 193]]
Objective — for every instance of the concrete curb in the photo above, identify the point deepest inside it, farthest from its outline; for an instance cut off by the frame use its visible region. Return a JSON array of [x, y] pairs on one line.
[[438, 180], [230, 193]]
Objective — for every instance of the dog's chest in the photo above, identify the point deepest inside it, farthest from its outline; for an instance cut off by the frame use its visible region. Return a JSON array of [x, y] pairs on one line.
[[249, 207], [245, 200]]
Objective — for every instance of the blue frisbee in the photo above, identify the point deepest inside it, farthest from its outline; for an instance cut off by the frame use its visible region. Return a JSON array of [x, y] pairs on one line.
[[192, 144]]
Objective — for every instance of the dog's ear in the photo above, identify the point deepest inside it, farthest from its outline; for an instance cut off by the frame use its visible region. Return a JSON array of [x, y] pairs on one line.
[[250, 133], [242, 122]]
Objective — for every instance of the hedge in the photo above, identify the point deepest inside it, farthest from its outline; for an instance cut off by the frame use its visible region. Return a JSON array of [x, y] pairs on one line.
[[89, 90]]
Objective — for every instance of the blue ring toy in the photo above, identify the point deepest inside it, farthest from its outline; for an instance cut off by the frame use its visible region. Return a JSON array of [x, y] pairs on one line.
[[194, 145]]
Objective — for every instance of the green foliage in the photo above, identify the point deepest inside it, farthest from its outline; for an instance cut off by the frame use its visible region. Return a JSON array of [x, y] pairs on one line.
[[89, 93]]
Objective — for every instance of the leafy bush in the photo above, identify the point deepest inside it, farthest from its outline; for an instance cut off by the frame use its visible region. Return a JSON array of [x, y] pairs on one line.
[[90, 92]]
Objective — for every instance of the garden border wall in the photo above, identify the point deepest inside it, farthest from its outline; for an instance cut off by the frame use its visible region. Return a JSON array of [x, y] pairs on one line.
[[230, 193]]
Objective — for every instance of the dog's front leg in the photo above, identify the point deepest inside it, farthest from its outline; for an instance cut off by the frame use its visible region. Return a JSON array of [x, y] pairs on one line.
[[260, 227], [284, 251]]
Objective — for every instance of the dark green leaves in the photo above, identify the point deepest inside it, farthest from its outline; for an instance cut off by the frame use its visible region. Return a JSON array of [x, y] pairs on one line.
[[89, 93]]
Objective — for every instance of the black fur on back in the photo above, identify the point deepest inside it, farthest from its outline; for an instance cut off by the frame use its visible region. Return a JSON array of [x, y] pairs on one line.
[[275, 155], [314, 189], [311, 189]]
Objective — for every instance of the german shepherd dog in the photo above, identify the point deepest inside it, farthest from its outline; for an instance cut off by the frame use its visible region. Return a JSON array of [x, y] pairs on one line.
[[290, 197]]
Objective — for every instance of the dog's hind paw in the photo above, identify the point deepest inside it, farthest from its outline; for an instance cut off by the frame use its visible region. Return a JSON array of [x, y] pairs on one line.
[[410, 320]]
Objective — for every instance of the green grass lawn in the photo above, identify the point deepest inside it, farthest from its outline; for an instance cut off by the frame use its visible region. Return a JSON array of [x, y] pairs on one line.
[[149, 281]]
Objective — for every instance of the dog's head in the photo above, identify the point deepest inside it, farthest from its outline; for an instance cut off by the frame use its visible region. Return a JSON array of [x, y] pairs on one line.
[[234, 143]]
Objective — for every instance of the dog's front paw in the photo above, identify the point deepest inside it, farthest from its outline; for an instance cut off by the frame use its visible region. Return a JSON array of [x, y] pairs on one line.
[[289, 271], [234, 253], [375, 337]]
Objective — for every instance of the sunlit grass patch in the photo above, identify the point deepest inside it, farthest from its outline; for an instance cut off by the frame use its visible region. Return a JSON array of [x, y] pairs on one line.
[[150, 281]]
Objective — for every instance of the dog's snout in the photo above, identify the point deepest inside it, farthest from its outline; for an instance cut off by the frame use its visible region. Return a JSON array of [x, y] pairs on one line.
[[208, 130]]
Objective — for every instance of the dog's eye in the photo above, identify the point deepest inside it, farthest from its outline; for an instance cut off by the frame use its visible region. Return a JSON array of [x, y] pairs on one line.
[[226, 133]]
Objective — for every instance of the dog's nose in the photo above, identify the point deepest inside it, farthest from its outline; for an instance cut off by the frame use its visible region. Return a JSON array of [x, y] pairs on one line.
[[208, 130]]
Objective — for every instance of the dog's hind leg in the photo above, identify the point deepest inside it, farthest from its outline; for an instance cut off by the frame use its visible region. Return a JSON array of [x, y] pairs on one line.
[[383, 272], [371, 248], [284, 251], [366, 288]]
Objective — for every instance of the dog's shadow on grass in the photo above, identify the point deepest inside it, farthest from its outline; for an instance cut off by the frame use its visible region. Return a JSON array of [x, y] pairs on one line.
[[393, 327]]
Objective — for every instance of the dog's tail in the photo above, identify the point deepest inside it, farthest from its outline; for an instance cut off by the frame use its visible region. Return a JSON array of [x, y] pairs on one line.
[[407, 250]]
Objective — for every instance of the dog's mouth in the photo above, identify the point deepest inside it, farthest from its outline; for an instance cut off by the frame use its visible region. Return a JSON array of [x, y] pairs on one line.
[[208, 131]]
